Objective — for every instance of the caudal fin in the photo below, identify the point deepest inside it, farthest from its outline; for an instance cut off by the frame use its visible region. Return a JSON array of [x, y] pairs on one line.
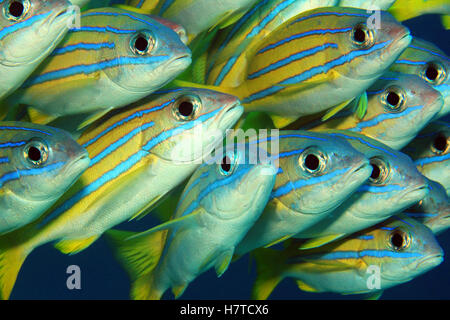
[[139, 256], [12, 257], [269, 272]]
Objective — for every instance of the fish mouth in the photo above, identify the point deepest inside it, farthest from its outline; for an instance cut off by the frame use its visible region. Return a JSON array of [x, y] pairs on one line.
[[231, 115], [430, 261], [78, 165], [180, 62], [397, 46], [415, 195], [357, 176]]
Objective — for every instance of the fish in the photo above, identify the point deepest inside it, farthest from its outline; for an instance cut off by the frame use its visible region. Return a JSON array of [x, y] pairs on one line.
[[431, 153], [316, 174], [434, 210], [394, 185], [399, 106], [29, 31], [221, 201], [397, 250], [199, 15], [328, 52], [426, 60], [138, 154], [37, 165], [115, 58]]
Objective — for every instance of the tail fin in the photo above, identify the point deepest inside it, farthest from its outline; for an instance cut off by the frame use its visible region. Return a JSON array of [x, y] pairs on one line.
[[139, 256], [269, 272], [12, 257]]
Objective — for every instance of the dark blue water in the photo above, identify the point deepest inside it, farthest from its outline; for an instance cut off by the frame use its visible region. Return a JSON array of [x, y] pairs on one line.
[[43, 275]]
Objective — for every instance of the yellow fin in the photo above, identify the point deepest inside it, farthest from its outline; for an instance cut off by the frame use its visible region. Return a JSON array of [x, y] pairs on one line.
[[139, 256], [330, 113], [131, 8], [446, 21], [92, 118], [361, 105], [11, 260], [39, 117], [269, 264], [305, 287], [178, 290], [223, 262], [282, 121], [172, 223], [182, 83], [147, 209], [75, 245], [279, 240], [318, 242]]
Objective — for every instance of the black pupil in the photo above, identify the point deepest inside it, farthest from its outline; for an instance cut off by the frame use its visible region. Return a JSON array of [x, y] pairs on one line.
[[359, 35], [34, 154], [431, 73], [16, 9], [393, 99], [312, 162], [375, 172], [440, 143], [186, 108], [226, 164], [141, 44], [397, 240]]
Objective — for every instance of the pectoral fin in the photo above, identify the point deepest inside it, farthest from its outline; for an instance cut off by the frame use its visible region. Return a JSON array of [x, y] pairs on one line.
[[282, 121], [147, 209], [75, 245], [279, 240], [39, 117], [305, 287], [223, 262], [318, 242], [330, 113], [178, 290]]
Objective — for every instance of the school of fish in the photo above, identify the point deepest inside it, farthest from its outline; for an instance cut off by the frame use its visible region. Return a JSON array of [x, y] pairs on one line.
[[309, 134]]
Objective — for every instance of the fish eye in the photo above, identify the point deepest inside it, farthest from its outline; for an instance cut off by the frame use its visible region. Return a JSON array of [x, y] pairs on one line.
[[393, 99], [36, 153], [312, 161], [142, 43], [362, 36], [440, 144], [434, 73], [227, 165], [380, 171], [399, 240], [16, 10], [186, 107]]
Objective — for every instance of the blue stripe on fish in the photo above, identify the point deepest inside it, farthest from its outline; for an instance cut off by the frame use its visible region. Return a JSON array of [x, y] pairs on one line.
[[102, 29], [338, 14], [379, 189], [117, 14], [423, 161], [123, 166], [256, 30], [301, 35], [115, 145], [367, 253], [314, 71], [24, 129], [135, 115], [429, 51], [295, 57], [420, 215], [362, 141], [90, 68], [192, 185], [213, 186], [14, 175], [405, 61], [23, 24], [12, 144], [83, 46], [382, 117], [288, 187], [4, 160]]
